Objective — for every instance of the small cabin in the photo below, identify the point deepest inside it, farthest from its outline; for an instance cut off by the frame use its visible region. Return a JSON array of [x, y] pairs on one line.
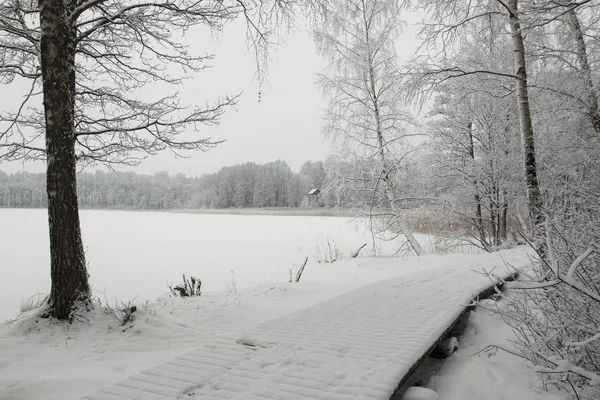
[[313, 198]]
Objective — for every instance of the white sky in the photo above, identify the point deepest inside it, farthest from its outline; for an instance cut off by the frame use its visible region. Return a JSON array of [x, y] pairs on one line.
[[285, 124]]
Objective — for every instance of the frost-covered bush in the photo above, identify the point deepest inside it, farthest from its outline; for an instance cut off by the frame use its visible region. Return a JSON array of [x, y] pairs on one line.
[[189, 288], [34, 302], [557, 317]]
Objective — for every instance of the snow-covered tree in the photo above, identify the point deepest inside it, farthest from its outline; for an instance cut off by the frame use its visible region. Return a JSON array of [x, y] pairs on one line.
[[366, 116], [448, 25], [555, 82], [89, 58]]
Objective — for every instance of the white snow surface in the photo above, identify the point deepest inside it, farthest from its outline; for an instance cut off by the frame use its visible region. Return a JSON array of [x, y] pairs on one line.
[[356, 345], [420, 393], [348, 330], [492, 375]]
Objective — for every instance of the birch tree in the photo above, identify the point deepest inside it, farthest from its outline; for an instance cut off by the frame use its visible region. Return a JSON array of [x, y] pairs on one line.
[[472, 150], [472, 130], [90, 58], [555, 74], [366, 116], [564, 35], [448, 24]]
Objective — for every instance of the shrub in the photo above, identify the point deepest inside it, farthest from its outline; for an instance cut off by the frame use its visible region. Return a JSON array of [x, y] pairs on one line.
[[189, 288], [122, 312], [33, 303]]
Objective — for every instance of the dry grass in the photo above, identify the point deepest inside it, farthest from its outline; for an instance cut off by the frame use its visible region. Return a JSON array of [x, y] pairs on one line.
[[284, 211], [432, 224], [123, 312], [33, 303], [327, 250]]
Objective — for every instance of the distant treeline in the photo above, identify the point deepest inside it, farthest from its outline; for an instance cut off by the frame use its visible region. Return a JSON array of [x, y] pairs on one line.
[[245, 185]]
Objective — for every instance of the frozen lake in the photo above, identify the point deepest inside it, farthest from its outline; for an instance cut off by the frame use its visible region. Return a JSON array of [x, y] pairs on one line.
[[136, 253]]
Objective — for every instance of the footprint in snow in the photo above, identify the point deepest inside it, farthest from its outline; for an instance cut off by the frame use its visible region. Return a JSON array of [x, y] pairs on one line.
[[254, 343]]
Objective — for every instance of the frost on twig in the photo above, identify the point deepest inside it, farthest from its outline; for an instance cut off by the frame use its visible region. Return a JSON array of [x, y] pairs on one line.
[[564, 366], [569, 277], [585, 342], [577, 263]]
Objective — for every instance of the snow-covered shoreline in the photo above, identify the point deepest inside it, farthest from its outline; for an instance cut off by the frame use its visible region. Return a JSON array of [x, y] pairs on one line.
[[134, 254], [68, 361]]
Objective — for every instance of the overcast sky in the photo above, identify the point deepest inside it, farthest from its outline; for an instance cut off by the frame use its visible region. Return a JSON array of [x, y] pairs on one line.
[[285, 124]]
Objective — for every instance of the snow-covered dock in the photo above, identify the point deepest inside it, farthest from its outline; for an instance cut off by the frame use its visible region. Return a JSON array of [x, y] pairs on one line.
[[358, 345]]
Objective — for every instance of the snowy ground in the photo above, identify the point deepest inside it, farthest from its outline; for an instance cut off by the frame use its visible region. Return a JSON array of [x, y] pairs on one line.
[[143, 250]]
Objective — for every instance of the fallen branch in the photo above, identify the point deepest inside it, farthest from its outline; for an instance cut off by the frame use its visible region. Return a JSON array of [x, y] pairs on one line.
[[487, 349]]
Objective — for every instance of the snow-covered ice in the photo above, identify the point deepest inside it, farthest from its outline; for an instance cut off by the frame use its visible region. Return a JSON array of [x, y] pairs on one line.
[[134, 254]]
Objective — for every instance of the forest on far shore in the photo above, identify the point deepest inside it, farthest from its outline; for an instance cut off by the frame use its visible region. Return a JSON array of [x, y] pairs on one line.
[[273, 184]]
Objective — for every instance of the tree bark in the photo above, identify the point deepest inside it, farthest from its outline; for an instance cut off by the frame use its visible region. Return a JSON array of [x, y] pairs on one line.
[[534, 200], [478, 214], [502, 222], [585, 71], [69, 277]]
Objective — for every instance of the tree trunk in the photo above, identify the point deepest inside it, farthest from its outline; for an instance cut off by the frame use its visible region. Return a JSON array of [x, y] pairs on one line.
[[389, 185], [502, 221], [478, 215], [68, 269], [585, 71], [493, 220], [534, 201]]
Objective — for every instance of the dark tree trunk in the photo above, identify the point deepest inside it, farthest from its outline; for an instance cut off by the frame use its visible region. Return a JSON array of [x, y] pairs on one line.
[[493, 221], [68, 269], [478, 214], [534, 200], [502, 228]]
